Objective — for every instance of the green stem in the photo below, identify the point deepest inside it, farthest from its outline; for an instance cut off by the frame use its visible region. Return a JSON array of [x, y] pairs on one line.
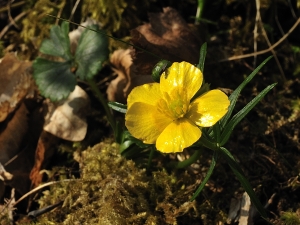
[[199, 11], [100, 97], [152, 150], [207, 143], [208, 174], [187, 162]]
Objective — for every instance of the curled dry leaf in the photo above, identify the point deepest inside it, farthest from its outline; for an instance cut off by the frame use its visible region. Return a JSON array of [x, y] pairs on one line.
[[15, 157], [66, 119], [15, 83], [45, 149], [12, 133], [167, 36], [121, 61], [127, 79]]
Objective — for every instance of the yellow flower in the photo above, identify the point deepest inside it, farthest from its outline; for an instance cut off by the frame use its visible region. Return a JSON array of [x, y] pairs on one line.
[[163, 113]]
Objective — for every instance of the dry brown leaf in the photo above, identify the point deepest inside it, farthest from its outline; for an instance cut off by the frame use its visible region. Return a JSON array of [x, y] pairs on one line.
[[121, 61], [169, 37], [43, 154], [66, 119], [12, 133], [119, 88], [15, 159], [15, 83]]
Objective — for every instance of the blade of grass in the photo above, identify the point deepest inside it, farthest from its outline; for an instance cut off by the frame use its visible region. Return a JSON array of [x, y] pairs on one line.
[[241, 114], [202, 57], [245, 183], [208, 174], [234, 96], [119, 107]]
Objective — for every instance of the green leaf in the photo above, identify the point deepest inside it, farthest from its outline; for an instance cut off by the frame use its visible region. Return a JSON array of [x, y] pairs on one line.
[[208, 174], [59, 42], [128, 140], [118, 107], [54, 79], [125, 145], [245, 183], [241, 114], [91, 52], [202, 57], [234, 96]]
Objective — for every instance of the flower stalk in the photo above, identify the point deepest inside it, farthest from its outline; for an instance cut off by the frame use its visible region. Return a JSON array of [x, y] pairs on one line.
[[103, 102]]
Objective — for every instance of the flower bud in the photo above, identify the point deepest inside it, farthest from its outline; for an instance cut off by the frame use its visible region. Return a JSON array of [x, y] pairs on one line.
[[159, 68]]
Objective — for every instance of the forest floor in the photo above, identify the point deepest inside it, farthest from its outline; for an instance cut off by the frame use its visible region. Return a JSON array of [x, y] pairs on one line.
[[98, 189]]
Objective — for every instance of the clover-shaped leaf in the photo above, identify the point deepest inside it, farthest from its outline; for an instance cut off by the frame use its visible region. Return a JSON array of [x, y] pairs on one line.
[[92, 48], [59, 42], [55, 79]]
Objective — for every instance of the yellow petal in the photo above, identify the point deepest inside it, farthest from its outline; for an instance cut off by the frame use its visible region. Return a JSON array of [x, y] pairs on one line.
[[144, 122], [178, 135], [181, 79], [209, 108], [147, 93]]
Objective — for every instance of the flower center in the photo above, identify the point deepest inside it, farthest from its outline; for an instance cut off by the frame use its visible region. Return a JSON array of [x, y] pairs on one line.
[[174, 108]]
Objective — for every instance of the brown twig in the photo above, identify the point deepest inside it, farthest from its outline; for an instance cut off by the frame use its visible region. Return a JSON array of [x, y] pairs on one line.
[[9, 15], [60, 12], [268, 42], [266, 50], [14, 5], [74, 9], [5, 29], [40, 187]]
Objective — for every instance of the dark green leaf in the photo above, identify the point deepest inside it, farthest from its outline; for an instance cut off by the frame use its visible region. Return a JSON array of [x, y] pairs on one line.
[[234, 96], [241, 114], [245, 183], [118, 107], [91, 52], [54, 79], [202, 57], [59, 42], [128, 140], [125, 145]]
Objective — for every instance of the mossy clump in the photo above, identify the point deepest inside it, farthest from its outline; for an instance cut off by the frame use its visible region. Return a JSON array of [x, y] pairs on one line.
[[109, 191], [291, 218], [113, 190]]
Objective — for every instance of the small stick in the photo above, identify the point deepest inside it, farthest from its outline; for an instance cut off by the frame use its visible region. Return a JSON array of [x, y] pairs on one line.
[[266, 50], [40, 187]]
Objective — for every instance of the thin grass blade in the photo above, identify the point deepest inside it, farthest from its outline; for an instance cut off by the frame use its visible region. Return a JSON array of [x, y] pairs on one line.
[[234, 96], [241, 114], [209, 173], [245, 183], [202, 57]]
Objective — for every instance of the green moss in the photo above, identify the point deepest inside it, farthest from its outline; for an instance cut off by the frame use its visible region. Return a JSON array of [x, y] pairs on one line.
[[37, 24], [113, 190], [114, 15], [291, 218]]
